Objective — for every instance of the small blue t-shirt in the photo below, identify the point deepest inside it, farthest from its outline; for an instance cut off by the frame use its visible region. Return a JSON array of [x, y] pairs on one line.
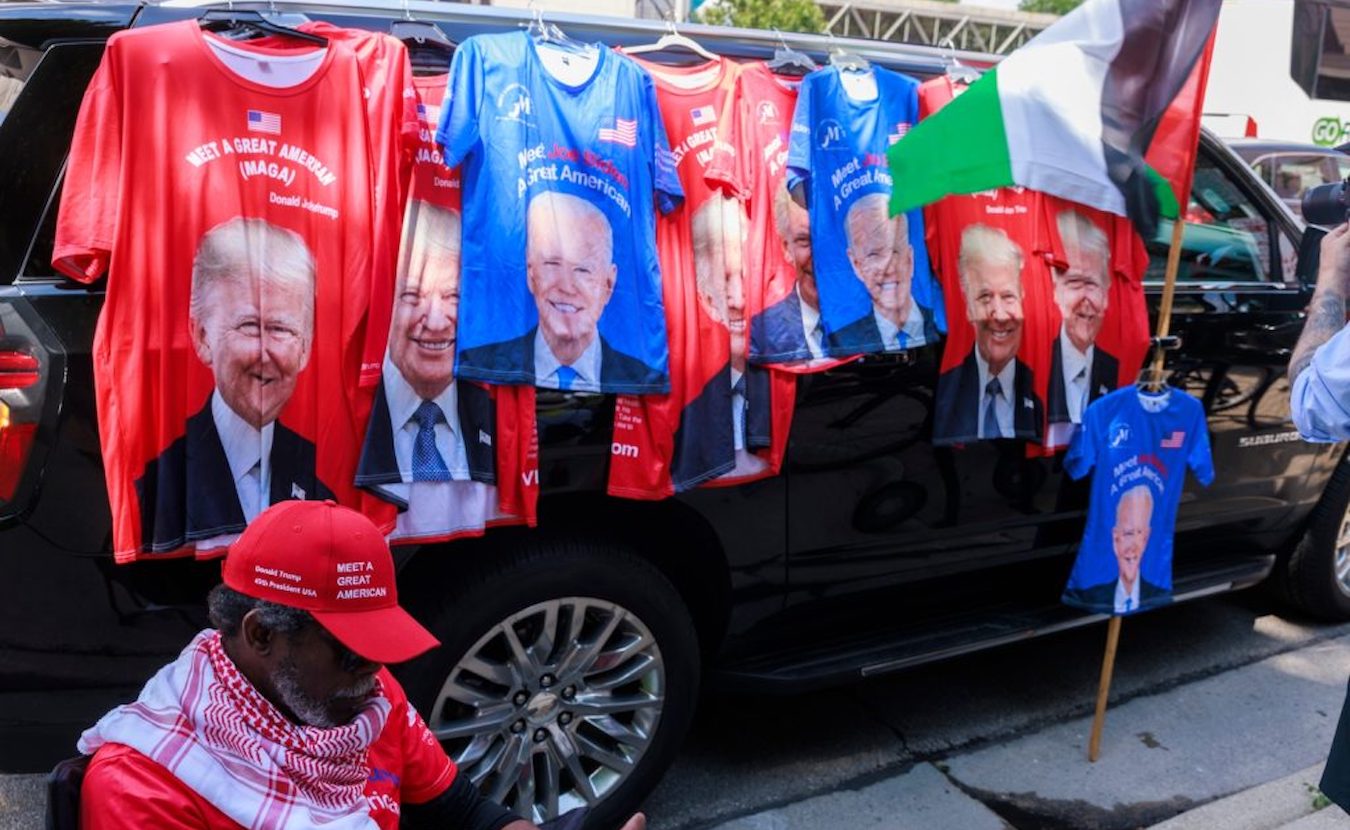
[[876, 293], [560, 284], [1140, 444]]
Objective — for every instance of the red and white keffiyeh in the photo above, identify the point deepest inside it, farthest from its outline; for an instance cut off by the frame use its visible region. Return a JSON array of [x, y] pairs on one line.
[[202, 720]]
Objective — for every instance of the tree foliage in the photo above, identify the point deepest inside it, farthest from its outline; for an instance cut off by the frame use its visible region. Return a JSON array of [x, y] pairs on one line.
[[1049, 6], [784, 15]]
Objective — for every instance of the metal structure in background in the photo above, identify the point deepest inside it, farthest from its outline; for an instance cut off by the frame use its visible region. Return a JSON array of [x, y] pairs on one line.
[[932, 23], [919, 22], [660, 9]]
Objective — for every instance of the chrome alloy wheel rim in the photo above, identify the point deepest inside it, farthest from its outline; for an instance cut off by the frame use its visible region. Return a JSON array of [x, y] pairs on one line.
[[1343, 554], [553, 708]]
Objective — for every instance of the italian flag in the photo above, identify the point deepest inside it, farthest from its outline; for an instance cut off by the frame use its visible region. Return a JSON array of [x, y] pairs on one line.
[[1072, 113]]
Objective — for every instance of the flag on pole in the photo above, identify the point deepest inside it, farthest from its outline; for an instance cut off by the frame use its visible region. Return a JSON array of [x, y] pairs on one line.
[[1175, 144], [1070, 114]]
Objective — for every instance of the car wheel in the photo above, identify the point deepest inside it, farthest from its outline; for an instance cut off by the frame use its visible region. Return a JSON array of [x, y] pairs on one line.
[[566, 678], [1316, 578]]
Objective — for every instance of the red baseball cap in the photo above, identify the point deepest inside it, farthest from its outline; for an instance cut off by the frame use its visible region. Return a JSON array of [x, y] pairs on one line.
[[334, 563]]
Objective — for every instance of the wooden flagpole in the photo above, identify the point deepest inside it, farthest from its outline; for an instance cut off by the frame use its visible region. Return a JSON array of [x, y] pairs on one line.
[[1155, 381]]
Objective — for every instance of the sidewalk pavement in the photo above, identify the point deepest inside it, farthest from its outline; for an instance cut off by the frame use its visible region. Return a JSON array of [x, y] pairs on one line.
[[1239, 750]]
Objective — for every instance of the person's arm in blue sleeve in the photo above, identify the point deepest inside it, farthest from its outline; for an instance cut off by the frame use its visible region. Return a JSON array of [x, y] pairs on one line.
[[1319, 371]]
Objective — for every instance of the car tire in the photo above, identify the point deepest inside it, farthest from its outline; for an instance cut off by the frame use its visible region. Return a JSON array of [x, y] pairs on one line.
[[567, 677], [1316, 577]]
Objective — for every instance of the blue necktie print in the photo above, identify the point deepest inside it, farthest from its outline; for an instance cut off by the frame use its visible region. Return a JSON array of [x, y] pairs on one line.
[[992, 389], [427, 463], [566, 377]]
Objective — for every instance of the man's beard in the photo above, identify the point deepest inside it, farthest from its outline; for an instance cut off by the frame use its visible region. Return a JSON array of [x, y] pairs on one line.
[[309, 710]]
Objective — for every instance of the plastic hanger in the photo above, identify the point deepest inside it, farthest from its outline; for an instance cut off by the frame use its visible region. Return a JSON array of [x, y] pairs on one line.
[[549, 33], [1151, 380], [237, 23], [788, 61], [672, 39], [957, 71], [428, 47], [844, 60], [962, 74]]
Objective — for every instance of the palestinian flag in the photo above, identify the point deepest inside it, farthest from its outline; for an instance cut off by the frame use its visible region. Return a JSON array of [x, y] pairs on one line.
[[1071, 114]]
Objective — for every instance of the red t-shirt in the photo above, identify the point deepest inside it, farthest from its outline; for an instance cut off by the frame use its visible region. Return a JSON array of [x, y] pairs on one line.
[[1121, 341], [750, 162], [664, 444], [1018, 214], [272, 195], [517, 438], [389, 100], [489, 434], [125, 790], [432, 181]]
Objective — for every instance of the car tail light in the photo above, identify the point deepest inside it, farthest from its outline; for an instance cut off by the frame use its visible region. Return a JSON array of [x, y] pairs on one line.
[[18, 370], [15, 442], [27, 366]]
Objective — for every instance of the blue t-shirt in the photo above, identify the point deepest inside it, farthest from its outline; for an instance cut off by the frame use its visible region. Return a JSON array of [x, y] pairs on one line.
[[1140, 444], [837, 152], [560, 284]]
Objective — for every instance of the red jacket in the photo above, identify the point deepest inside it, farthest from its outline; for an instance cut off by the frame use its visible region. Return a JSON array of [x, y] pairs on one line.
[[124, 790]]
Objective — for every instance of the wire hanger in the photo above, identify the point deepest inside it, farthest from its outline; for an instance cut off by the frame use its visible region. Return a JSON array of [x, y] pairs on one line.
[[844, 60], [956, 70], [672, 39], [428, 47], [788, 61], [238, 24]]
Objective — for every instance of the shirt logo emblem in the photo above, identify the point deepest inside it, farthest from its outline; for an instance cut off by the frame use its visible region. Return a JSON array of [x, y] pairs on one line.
[[1174, 441], [514, 104], [830, 134], [768, 111], [900, 130], [484, 438], [1120, 435], [264, 122], [623, 132]]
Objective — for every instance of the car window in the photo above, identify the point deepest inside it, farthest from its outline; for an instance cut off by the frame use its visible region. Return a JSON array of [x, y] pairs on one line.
[[1265, 168], [1296, 173], [34, 138], [1226, 239], [16, 64]]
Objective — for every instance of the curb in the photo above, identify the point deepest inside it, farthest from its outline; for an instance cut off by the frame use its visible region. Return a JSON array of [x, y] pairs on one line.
[[1284, 802]]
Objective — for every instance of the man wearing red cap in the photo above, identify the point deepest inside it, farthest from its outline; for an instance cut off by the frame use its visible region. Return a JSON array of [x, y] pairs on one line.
[[282, 715]]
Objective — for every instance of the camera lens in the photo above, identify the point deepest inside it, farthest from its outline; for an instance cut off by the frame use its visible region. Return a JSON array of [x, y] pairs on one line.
[[1325, 204]]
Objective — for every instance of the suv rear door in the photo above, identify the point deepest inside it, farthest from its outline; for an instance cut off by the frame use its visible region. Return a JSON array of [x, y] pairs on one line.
[[46, 61]]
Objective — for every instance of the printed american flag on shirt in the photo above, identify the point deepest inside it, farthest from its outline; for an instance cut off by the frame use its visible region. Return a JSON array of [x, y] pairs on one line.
[[703, 115], [900, 130], [264, 122], [623, 132], [1174, 441]]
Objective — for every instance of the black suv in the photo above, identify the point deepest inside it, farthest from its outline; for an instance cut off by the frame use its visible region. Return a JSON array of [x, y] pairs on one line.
[[573, 654]]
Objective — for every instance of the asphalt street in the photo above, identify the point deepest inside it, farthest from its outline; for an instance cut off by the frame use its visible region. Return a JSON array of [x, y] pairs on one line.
[[1210, 698]]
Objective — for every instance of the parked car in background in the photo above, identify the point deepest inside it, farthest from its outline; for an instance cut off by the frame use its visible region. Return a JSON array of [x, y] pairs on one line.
[[1291, 168], [573, 655]]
